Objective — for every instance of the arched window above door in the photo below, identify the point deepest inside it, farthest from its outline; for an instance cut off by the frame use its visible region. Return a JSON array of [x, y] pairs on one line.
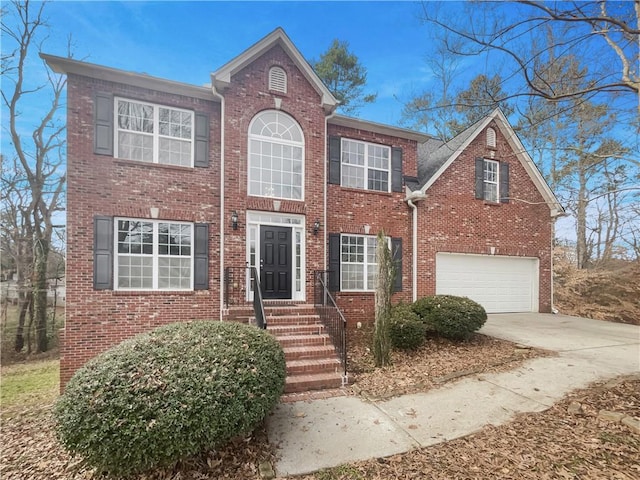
[[276, 156]]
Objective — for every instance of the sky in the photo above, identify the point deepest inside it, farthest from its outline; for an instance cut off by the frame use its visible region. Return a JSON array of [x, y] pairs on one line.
[[186, 41]]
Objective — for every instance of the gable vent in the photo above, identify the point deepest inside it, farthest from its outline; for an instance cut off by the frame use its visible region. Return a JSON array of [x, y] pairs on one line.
[[277, 80], [491, 137]]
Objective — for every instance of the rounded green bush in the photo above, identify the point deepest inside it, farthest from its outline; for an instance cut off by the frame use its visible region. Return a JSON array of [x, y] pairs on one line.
[[168, 394], [406, 330], [451, 316]]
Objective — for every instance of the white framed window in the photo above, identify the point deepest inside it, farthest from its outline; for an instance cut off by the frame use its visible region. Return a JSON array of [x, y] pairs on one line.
[[365, 165], [276, 156], [277, 79], [153, 255], [491, 178], [358, 263], [491, 137], [153, 133]]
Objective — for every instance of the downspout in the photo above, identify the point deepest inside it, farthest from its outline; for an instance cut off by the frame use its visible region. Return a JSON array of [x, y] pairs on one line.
[[222, 179], [411, 198], [326, 186]]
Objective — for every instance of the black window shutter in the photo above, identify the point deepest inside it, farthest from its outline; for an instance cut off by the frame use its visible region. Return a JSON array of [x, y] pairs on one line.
[[102, 253], [396, 252], [103, 124], [396, 169], [504, 182], [335, 144], [480, 178], [201, 256], [201, 155], [334, 262]]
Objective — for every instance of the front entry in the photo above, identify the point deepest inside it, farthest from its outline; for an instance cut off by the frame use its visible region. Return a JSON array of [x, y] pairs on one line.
[[275, 262]]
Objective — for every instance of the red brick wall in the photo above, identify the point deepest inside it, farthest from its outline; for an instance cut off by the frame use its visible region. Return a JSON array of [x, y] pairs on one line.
[[248, 95], [452, 220], [349, 209], [103, 185]]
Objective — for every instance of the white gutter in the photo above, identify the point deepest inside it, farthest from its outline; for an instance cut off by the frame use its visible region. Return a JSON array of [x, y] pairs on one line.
[[411, 198], [222, 179]]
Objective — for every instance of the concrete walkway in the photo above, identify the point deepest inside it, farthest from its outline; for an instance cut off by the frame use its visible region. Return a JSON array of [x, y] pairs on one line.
[[309, 436]]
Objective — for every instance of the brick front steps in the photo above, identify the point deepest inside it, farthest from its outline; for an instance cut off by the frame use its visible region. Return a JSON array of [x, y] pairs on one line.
[[312, 362]]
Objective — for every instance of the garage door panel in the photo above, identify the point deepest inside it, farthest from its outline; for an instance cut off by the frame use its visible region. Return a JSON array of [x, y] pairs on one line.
[[498, 283]]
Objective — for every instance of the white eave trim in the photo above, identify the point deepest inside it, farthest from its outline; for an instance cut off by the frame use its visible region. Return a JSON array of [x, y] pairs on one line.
[[67, 65], [221, 78], [521, 153], [356, 123]]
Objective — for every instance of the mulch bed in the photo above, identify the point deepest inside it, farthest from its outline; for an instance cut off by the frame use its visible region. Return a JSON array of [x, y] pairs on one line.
[[436, 362]]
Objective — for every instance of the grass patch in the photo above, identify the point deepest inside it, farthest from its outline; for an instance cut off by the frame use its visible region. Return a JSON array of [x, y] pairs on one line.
[[30, 383]]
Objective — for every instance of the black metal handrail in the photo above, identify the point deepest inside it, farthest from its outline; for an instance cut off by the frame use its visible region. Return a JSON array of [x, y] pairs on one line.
[[235, 285], [258, 303], [331, 317]]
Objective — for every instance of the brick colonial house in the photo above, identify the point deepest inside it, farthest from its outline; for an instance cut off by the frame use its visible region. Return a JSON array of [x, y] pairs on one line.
[[175, 191]]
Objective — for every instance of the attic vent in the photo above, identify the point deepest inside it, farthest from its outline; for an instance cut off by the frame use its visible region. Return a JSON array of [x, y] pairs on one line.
[[277, 80], [491, 137]]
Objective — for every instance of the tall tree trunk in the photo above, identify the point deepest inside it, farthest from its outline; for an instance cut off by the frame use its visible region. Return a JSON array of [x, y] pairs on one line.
[[40, 294], [24, 301], [581, 221], [386, 274]]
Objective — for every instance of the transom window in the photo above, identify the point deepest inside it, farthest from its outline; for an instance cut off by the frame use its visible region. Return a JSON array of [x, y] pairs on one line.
[[365, 165], [153, 255], [276, 156], [491, 173], [153, 133], [358, 263]]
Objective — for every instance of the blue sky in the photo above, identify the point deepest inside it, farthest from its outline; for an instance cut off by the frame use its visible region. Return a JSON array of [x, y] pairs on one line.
[[185, 41]]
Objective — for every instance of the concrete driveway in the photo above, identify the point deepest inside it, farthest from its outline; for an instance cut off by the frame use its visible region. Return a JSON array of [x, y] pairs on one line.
[[613, 345], [317, 434]]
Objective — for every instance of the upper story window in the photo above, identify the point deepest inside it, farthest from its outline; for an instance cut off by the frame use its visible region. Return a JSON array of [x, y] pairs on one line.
[[491, 137], [491, 177], [276, 156], [154, 133], [277, 80], [153, 255], [365, 165]]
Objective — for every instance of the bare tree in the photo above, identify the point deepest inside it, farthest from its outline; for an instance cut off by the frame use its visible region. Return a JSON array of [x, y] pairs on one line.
[[39, 157], [609, 31], [16, 235]]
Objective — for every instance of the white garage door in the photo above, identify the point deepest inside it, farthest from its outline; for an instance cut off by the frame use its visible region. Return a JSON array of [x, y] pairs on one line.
[[500, 284]]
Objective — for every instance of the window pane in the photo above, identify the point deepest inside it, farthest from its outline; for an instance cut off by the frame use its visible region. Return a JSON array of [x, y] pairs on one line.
[[132, 146], [352, 277], [352, 176], [378, 157], [173, 272], [175, 152], [378, 180], [136, 117], [135, 272]]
